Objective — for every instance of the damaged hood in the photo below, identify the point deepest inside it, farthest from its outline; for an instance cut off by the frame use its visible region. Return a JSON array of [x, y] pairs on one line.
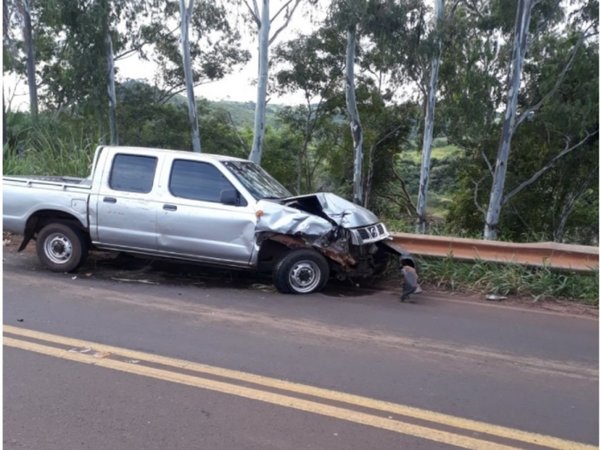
[[283, 219], [341, 211], [312, 215]]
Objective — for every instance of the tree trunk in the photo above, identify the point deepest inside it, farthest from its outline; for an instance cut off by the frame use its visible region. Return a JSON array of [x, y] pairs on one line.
[[186, 14], [429, 120], [354, 119], [524, 8], [261, 90], [370, 173], [29, 47], [112, 96], [4, 128]]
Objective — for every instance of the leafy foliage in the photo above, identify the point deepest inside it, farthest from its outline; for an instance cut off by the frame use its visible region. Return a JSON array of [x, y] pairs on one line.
[[309, 147]]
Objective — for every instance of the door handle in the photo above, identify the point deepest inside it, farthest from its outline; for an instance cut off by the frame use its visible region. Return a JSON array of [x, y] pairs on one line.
[[110, 200], [170, 207]]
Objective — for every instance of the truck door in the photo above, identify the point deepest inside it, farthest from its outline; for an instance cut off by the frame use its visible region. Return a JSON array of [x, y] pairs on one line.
[[194, 223], [125, 209]]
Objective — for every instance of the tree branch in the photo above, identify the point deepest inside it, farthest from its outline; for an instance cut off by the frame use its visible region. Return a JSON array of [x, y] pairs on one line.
[[172, 92], [487, 162], [288, 17], [547, 167], [475, 200], [285, 5], [570, 204], [140, 45], [559, 80], [253, 12], [409, 204]]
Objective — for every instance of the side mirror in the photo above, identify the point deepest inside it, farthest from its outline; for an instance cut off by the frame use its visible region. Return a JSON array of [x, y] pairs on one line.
[[230, 197]]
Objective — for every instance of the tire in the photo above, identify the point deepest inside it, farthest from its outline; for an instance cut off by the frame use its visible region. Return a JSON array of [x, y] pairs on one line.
[[61, 247], [301, 271]]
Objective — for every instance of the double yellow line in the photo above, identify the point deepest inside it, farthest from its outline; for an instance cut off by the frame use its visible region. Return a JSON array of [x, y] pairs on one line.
[[401, 419]]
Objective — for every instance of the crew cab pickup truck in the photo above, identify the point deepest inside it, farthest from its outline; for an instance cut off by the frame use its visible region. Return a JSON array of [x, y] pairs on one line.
[[210, 209]]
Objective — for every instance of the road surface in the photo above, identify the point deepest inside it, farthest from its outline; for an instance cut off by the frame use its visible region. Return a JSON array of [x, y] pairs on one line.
[[127, 355]]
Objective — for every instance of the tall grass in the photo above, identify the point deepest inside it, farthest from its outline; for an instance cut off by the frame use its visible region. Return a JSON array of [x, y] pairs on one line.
[[50, 147], [538, 283]]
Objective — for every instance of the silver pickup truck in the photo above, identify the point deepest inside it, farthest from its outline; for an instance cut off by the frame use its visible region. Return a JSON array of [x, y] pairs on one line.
[[210, 209]]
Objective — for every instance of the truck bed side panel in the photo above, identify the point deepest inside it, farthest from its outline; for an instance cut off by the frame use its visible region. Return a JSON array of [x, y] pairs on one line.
[[22, 200]]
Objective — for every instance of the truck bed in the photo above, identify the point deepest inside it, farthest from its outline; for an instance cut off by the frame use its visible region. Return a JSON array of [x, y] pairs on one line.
[[48, 180]]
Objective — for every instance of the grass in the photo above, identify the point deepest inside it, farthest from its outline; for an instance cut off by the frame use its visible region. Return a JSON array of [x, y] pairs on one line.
[[538, 283], [45, 150]]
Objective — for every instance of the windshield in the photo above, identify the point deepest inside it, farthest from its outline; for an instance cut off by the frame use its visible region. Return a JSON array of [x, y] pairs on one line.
[[258, 182]]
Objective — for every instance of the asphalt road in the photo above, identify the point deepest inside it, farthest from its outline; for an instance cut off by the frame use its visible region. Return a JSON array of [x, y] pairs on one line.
[[126, 355]]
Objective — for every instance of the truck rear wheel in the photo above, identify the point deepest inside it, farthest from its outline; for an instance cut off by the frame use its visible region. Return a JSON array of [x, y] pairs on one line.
[[301, 272], [61, 247]]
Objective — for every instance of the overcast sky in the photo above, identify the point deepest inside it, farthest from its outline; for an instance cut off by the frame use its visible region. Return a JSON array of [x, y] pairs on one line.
[[237, 86]]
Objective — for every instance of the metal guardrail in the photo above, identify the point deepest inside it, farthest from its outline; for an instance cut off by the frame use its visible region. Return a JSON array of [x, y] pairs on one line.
[[551, 254]]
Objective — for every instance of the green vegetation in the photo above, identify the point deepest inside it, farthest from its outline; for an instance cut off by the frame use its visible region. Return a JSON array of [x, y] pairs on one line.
[[538, 283], [48, 147]]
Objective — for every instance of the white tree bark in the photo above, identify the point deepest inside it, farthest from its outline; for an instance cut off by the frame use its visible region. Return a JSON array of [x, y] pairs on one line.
[[112, 95], [264, 21], [492, 217], [186, 14], [429, 121], [264, 29], [354, 118], [29, 47]]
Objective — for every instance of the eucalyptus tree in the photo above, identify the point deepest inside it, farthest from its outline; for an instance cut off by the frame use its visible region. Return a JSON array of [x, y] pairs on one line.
[[264, 21], [429, 121], [522, 20], [512, 118], [556, 116], [349, 15], [186, 12], [9, 54], [215, 45], [19, 54], [26, 8], [207, 49], [379, 35]]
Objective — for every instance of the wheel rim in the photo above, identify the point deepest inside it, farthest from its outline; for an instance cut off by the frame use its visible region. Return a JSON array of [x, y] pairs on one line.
[[305, 276], [58, 248]]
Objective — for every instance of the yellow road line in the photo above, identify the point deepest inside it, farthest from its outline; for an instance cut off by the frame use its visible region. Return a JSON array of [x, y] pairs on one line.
[[267, 397], [431, 416]]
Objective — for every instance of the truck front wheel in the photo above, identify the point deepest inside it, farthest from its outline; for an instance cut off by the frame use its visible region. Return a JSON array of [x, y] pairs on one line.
[[61, 248], [301, 272]]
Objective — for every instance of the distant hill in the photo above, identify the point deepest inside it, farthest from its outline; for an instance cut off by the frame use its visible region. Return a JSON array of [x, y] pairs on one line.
[[242, 113]]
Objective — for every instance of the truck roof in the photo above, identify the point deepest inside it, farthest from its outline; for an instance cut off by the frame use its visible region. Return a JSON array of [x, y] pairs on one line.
[[187, 154]]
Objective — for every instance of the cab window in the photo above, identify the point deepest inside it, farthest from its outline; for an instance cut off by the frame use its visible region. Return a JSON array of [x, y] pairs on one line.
[[197, 181], [132, 173]]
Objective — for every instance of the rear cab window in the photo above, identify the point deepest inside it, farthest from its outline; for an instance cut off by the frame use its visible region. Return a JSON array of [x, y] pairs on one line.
[[132, 173]]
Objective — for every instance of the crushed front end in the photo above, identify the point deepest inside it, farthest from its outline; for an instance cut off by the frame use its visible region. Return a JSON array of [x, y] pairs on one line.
[[351, 237]]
